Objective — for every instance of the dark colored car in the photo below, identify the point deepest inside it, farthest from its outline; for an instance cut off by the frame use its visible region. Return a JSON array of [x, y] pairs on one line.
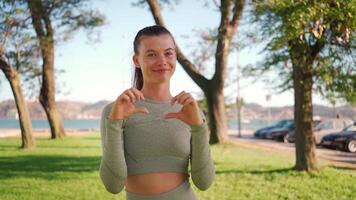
[[260, 132], [290, 137], [280, 133], [344, 140]]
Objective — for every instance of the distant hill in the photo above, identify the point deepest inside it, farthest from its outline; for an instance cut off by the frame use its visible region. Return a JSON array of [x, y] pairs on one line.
[[67, 109], [256, 111], [84, 110]]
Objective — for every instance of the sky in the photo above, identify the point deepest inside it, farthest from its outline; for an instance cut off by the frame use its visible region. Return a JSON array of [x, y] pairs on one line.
[[103, 70]]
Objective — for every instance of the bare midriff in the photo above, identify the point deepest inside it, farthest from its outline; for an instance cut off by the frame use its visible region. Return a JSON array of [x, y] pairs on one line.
[[154, 183]]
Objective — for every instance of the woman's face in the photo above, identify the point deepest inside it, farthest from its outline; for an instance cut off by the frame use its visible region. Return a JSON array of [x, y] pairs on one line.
[[156, 57]]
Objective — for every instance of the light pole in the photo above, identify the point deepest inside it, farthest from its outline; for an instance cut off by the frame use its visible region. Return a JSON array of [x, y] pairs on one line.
[[239, 104], [268, 98], [239, 99]]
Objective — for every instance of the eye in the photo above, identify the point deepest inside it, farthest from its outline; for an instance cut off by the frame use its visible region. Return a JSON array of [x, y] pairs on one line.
[[169, 53], [151, 55]]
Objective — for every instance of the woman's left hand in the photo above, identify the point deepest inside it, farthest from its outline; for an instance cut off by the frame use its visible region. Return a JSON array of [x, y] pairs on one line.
[[190, 113]]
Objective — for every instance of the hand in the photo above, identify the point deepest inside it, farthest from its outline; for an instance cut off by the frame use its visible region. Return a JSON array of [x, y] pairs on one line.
[[124, 107], [190, 113]]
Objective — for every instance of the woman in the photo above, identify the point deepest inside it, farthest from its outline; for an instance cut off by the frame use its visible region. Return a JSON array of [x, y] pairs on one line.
[[149, 136]]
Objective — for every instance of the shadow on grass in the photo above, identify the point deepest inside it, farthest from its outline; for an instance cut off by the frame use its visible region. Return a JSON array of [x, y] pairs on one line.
[[45, 166], [344, 161], [10, 148], [279, 171], [344, 168], [7, 147], [70, 146], [93, 138]]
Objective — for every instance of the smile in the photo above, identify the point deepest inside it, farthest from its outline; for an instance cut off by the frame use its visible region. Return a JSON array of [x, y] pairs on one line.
[[161, 70]]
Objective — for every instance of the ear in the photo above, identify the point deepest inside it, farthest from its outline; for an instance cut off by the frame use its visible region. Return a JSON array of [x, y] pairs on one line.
[[135, 61]]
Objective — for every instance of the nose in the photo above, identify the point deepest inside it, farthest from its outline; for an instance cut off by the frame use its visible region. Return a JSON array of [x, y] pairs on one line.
[[162, 60]]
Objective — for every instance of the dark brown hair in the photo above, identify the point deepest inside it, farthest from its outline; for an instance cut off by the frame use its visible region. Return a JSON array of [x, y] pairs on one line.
[[154, 30]]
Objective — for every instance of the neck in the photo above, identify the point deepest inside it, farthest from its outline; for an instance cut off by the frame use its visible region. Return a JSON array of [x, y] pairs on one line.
[[158, 92]]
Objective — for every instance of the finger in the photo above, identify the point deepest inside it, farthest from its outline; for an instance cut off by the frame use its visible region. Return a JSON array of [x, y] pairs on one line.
[[172, 115], [124, 98], [174, 99], [183, 98], [177, 96], [131, 95], [188, 101], [135, 92], [139, 93], [141, 110]]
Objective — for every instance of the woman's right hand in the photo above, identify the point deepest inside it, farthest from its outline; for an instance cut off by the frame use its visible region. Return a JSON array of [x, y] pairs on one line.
[[124, 107]]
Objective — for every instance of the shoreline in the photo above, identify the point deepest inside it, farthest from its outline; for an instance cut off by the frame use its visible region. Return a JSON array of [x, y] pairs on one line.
[[43, 133], [7, 133]]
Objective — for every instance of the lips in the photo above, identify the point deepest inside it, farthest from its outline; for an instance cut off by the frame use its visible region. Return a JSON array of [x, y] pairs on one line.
[[161, 70]]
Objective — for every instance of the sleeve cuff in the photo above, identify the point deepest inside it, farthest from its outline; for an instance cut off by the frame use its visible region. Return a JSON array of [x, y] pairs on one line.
[[114, 130], [112, 123], [200, 133], [199, 128]]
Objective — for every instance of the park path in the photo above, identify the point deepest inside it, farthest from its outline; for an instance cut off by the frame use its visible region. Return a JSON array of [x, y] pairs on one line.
[[335, 157]]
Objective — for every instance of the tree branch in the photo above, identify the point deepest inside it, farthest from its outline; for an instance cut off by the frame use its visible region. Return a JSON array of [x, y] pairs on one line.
[[156, 12], [35, 11], [223, 44], [227, 29], [7, 68], [216, 4], [237, 13], [316, 48]]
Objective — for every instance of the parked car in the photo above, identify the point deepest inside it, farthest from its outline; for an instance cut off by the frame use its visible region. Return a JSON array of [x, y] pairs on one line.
[[269, 134], [344, 140], [279, 134], [260, 132], [325, 127], [330, 126], [290, 136]]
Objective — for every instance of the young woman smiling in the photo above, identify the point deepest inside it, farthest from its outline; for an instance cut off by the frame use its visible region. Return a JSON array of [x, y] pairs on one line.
[[149, 137]]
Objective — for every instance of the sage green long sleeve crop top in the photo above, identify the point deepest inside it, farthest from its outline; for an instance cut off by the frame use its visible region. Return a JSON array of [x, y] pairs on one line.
[[145, 143]]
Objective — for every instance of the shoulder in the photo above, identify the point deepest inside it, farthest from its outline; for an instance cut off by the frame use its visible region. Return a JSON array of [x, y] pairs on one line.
[[202, 113], [107, 109]]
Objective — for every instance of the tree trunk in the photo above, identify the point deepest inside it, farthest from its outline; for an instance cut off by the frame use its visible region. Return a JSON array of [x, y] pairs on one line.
[[24, 116], [47, 100], [217, 116], [303, 110], [42, 24], [47, 95]]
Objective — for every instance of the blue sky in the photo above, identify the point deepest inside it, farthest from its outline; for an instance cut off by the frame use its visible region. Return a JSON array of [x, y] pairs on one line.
[[101, 71]]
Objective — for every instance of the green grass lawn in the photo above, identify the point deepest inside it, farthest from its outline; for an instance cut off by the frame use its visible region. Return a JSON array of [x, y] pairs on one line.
[[68, 169]]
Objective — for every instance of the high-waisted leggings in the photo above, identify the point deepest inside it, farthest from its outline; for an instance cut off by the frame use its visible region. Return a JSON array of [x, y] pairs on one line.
[[182, 192]]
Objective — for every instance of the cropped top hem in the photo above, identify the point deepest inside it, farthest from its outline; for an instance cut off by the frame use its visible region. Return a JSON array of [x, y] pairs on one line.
[[157, 164]]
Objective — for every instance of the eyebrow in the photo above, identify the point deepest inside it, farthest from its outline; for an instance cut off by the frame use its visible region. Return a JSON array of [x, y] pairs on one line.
[[151, 50]]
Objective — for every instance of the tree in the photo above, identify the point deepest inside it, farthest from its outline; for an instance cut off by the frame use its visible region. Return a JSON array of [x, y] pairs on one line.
[[312, 46], [65, 17], [231, 12], [17, 55], [44, 24]]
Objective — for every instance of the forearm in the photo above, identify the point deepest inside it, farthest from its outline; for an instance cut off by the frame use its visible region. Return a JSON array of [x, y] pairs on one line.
[[113, 170], [202, 165]]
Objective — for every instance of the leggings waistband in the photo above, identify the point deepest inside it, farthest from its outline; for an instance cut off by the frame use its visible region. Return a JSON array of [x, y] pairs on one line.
[[183, 191]]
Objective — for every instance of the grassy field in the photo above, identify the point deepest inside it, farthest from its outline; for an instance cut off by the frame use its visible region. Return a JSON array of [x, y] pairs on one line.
[[68, 169]]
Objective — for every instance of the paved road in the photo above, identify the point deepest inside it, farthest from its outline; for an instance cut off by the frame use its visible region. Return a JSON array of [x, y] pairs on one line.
[[340, 158]]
